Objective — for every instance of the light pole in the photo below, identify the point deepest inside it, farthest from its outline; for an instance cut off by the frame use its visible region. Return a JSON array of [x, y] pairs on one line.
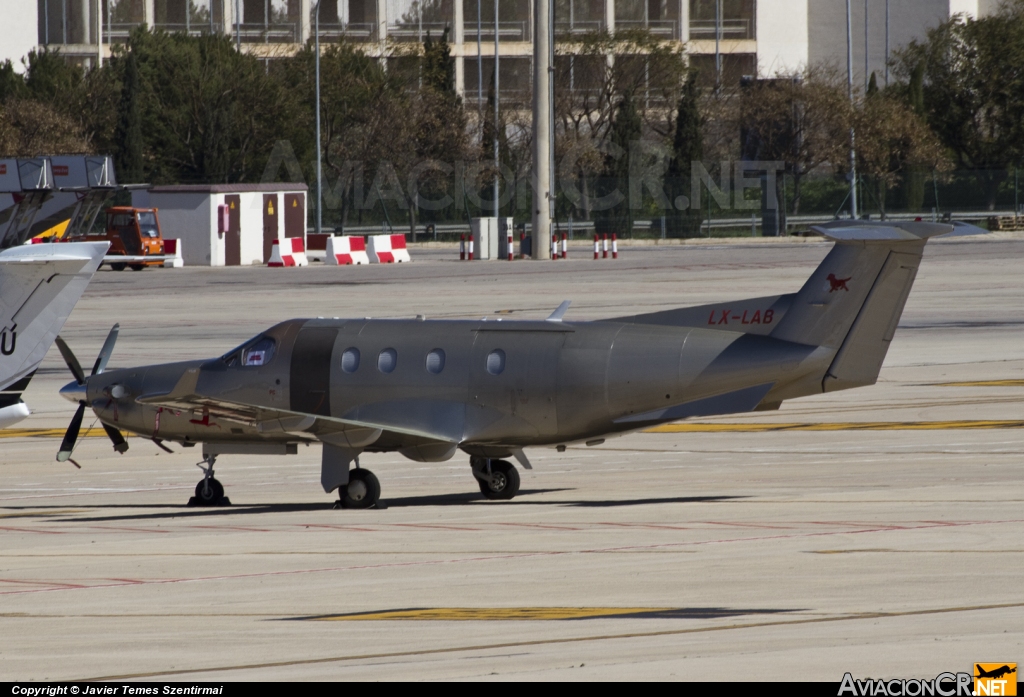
[[319, 173], [497, 101], [849, 89], [541, 218], [886, 43]]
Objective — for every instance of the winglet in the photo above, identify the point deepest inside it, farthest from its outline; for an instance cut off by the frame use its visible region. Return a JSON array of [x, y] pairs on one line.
[[556, 316]]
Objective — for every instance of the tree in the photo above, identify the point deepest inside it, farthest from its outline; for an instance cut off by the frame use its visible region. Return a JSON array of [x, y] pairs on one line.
[[128, 157], [915, 178], [593, 73], [438, 65], [29, 128], [801, 120], [613, 184], [973, 91], [890, 139], [687, 148]]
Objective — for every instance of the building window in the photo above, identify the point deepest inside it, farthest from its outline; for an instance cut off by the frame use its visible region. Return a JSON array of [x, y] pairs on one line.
[[435, 361], [737, 19], [387, 360], [350, 360], [496, 362]]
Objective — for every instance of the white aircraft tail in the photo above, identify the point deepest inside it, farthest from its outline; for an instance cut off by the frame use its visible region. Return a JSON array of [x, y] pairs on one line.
[[39, 287]]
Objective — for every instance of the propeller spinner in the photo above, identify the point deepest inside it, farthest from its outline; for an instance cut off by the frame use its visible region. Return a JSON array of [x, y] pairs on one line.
[[77, 392]]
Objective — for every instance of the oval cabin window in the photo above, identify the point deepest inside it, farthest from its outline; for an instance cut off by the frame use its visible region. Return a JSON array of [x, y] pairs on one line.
[[435, 361], [387, 360], [496, 362], [350, 360]]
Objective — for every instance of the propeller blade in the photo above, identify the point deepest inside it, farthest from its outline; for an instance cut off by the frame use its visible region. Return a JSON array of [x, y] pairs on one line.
[[68, 444], [108, 348], [120, 444], [69, 358]]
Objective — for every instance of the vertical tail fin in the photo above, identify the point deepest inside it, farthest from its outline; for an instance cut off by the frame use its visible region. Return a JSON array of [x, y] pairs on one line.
[[853, 300], [39, 287]]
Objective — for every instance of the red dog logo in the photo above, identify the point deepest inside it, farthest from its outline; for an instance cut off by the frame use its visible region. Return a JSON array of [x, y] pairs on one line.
[[837, 283]]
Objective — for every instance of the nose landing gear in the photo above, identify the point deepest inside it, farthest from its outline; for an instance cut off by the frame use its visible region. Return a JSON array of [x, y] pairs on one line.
[[209, 492], [498, 479]]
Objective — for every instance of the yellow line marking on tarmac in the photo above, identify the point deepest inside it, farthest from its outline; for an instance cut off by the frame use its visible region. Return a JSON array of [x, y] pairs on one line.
[[494, 613], [834, 426], [543, 642], [983, 383], [49, 433]]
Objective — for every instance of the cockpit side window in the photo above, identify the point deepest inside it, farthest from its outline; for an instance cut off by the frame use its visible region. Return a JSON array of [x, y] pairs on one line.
[[259, 353]]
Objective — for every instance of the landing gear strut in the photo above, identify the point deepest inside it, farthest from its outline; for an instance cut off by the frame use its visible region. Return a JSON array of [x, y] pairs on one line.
[[498, 479], [209, 492]]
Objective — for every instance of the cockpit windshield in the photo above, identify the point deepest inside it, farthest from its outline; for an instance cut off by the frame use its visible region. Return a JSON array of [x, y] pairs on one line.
[[255, 352]]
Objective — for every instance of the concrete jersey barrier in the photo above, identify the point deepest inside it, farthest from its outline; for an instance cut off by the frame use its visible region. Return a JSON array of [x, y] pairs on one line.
[[388, 249], [345, 250], [291, 251]]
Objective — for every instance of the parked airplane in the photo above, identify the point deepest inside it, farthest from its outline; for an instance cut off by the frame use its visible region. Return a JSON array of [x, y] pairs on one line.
[[39, 287], [492, 388]]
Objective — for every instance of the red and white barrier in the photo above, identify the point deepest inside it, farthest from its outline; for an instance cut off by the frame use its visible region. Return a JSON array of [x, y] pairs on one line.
[[346, 250], [604, 246], [388, 249], [291, 251], [597, 247], [172, 254], [615, 246], [565, 246], [554, 247]]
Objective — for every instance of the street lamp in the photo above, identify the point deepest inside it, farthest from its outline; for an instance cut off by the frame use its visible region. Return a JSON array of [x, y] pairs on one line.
[[319, 172]]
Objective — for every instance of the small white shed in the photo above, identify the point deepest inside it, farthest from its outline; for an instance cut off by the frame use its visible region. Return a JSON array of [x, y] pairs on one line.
[[256, 215]]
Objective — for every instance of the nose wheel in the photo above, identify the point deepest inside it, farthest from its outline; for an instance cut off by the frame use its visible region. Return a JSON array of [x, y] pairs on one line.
[[209, 492], [498, 479]]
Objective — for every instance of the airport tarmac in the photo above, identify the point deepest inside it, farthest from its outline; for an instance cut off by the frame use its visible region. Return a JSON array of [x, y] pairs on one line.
[[877, 531]]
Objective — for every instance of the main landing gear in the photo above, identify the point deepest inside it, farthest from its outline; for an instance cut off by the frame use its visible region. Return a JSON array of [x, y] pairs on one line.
[[498, 479], [209, 492], [362, 490]]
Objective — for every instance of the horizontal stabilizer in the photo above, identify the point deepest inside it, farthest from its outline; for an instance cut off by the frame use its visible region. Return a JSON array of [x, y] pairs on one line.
[[909, 231]]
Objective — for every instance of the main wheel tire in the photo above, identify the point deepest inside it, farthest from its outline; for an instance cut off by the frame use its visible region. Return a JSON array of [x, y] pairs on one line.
[[118, 266], [209, 495], [362, 490], [504, 483], [138, 267]]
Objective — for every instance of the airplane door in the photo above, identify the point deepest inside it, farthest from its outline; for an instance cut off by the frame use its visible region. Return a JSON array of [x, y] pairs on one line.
[[514, 374], [310, 375]]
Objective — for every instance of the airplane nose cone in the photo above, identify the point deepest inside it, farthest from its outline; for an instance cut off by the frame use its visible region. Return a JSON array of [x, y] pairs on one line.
[[73, 392]]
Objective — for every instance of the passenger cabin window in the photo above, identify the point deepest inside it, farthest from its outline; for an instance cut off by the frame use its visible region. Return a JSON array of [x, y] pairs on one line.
[[350, 360], [259, 353], [496, 362], [387, 360], [435, 361]]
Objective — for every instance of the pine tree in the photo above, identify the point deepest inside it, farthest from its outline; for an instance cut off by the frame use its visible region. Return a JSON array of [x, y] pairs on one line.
[[916, 174], [614, 180], [129, 125], [438, 65], [684, 220]]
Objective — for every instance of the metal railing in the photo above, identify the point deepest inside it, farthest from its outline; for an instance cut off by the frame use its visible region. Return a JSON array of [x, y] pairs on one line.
[[660, 28], [704, 29], [365, 32], [509, 31]]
